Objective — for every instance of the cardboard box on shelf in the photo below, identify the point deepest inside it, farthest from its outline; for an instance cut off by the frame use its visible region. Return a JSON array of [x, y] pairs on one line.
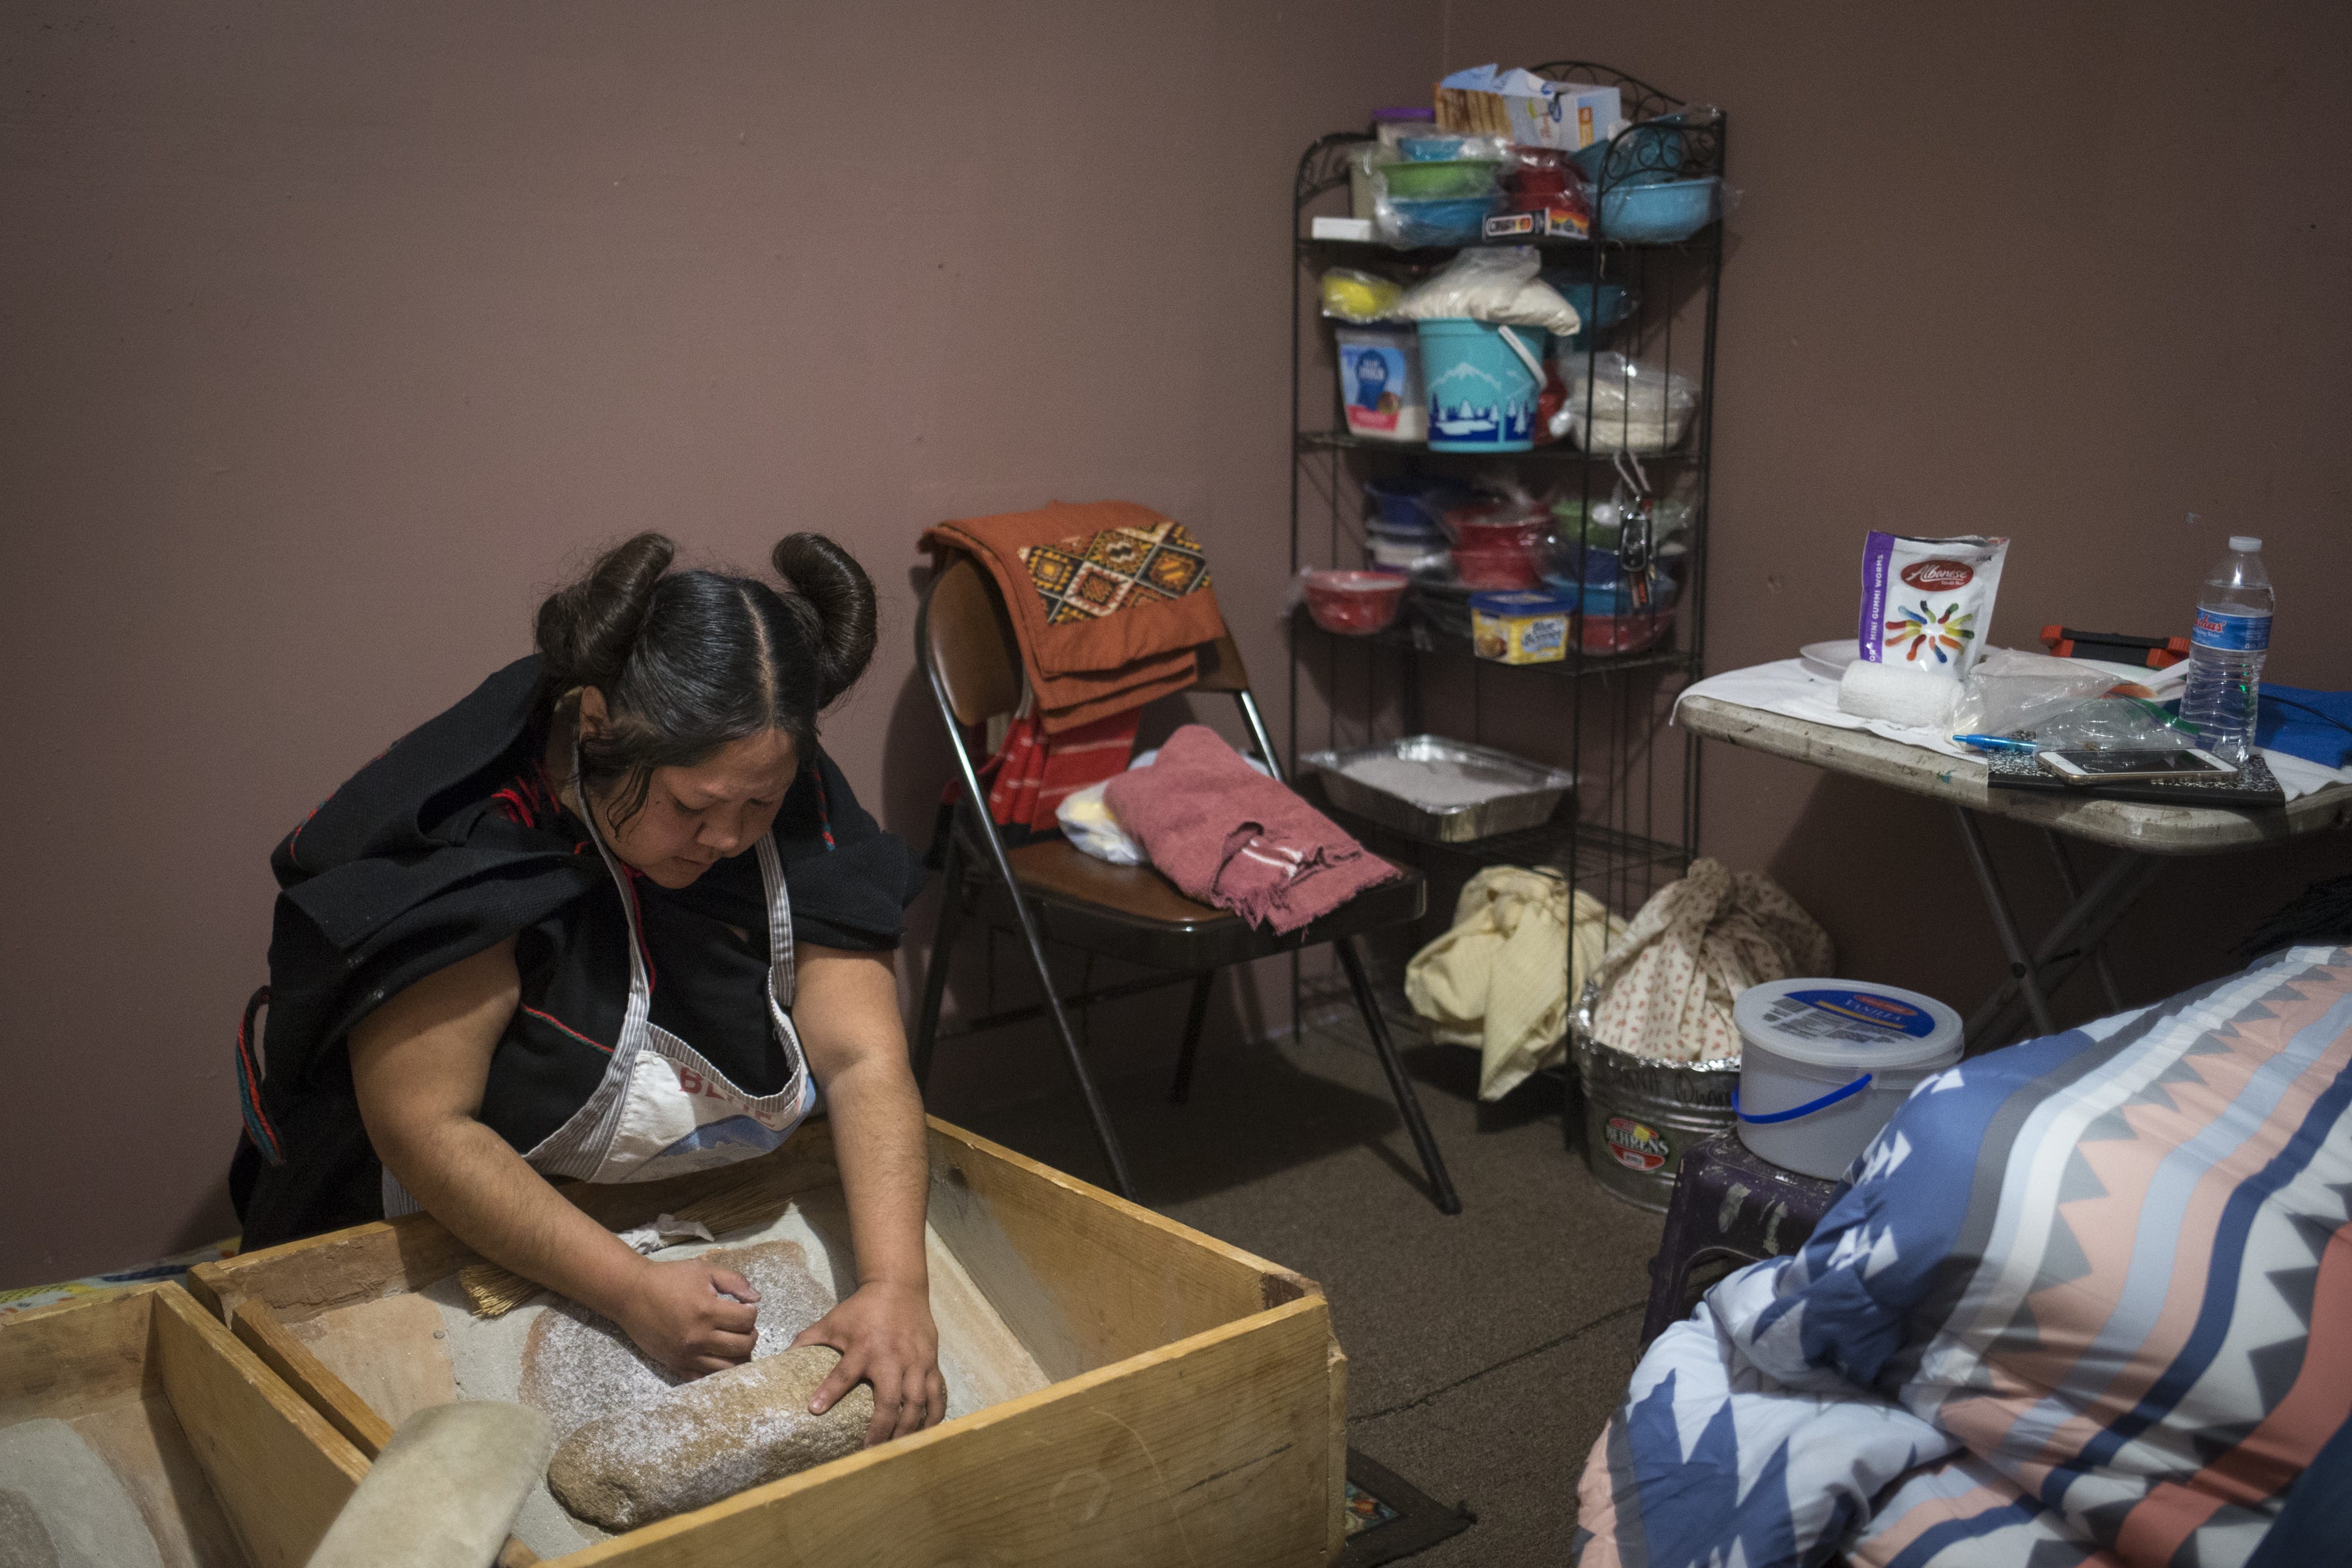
[[1566, 115]]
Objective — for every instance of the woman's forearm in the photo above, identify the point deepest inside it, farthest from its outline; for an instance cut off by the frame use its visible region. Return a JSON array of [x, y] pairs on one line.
[[472, 1181], [883, 1153], [847, 1010]]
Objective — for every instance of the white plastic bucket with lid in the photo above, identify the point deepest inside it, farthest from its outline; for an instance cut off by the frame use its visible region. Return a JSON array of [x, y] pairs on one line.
[[1824, 1063]]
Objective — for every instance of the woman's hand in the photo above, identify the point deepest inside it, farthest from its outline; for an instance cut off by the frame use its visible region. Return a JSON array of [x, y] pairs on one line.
[[886, 1337], [675, 1314]]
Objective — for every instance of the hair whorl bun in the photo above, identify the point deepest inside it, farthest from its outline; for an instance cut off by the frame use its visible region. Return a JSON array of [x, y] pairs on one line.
[[839, 598], [585, 631]]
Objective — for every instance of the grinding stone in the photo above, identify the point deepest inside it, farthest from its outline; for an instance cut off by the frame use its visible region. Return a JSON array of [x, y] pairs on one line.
[[578, 1366], [707, 1440], [86, 1517], [444, 1492]]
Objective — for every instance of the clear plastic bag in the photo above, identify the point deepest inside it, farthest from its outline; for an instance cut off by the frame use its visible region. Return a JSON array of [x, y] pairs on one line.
[[1362, 298], [2010, 691], [1626, 405], [1495, 284], [2114, 724]]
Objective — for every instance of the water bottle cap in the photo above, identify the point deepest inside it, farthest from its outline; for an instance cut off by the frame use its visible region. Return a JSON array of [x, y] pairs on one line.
[[2246, 543]]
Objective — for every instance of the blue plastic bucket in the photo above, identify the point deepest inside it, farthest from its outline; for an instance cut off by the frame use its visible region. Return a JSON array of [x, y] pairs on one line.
[[1482, 395]]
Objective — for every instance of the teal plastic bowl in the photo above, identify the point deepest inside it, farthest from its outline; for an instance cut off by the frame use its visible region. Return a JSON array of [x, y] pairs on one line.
[[1437, 182], [1658, 214]]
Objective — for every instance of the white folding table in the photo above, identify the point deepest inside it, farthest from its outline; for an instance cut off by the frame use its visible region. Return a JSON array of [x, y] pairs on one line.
[[2145, 834]]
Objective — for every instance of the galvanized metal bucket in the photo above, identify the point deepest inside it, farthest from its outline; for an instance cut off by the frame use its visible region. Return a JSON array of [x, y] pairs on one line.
[[1639, 1115]]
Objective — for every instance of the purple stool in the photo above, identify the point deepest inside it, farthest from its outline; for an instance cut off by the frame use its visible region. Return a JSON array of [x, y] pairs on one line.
[[1729, 1202]]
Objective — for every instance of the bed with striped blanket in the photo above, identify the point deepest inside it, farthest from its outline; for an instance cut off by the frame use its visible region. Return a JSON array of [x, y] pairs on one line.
[[2087, 1302]]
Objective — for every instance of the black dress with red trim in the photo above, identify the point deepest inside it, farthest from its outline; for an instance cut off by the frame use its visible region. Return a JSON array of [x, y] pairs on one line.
[[448, 844]]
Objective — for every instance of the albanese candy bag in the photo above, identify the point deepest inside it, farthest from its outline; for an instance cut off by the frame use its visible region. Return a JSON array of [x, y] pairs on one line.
[[1926, 604]]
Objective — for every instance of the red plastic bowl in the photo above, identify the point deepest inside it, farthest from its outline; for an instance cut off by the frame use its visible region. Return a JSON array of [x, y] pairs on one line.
[[1504, 566], [1354, 603], [1494, 525], [1630, 633]]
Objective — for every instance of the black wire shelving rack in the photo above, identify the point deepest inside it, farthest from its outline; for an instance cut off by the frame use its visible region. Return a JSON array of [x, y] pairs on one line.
[[1632, 824]]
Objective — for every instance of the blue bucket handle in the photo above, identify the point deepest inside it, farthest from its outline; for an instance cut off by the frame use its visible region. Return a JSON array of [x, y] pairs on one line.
[[1824, 1103]]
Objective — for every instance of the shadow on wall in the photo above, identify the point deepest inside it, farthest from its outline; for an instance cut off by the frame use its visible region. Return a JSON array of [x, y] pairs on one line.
[[1857, 846]]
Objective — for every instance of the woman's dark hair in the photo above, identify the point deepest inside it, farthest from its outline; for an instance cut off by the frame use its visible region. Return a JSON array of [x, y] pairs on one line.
[[689, 661]]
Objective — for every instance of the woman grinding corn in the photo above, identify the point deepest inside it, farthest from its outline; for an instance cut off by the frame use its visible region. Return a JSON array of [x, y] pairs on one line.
[[614, 916]]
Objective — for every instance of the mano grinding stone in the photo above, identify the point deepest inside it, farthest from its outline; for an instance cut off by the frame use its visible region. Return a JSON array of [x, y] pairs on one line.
[[444, 1492], [62, 1507], [707, 1440]]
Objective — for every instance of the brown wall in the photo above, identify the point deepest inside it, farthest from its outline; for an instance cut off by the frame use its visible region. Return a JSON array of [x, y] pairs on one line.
[[332, 337]]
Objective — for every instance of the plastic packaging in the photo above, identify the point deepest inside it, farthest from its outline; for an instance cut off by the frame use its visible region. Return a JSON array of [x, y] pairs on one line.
[[2010, 691], [2115, 724], [1385, 552], [1415, 503], [1353, 603], [1626, 406], [1362, 298], [1362, 159], [1926, 604], [1495, 284], [1394, 125], [2227, 649], [1379, 383]]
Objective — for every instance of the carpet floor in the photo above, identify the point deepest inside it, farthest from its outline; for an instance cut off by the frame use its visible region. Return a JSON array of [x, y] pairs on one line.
[[1486, 1351]]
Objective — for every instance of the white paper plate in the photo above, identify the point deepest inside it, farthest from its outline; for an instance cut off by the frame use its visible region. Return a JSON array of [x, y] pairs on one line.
[[1829, 659]]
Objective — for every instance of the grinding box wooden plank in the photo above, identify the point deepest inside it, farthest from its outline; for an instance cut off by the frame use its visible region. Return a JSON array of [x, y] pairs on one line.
[[227, 1466], [1195, 1411], [1214, 1450]]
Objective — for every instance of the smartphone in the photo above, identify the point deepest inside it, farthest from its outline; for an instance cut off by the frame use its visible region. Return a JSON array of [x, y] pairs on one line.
[[2097, 767]]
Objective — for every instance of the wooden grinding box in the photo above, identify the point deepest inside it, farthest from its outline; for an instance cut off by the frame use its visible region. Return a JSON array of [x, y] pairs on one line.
[[228, 1466], [1184, 1402]]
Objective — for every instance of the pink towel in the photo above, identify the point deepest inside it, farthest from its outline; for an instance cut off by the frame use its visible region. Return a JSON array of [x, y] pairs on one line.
[[1228, 835]]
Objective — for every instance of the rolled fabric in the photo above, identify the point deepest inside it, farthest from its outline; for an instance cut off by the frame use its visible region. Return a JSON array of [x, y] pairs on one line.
[[1896, 696], [707, 1440]]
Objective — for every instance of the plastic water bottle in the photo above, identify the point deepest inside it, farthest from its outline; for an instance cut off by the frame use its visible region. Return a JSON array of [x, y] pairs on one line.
[[2225, 651]]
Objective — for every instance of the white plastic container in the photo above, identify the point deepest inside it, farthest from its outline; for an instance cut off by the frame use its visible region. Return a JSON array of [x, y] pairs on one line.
[[1824, 1063], [1380, 383]]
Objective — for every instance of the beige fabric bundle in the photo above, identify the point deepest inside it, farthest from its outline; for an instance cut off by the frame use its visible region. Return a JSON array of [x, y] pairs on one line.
[[1667, 990], [1501, 977], [706, 1440]]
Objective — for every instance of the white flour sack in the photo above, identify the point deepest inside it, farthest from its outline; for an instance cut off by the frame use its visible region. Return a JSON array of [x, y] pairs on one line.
[[1926, 604]]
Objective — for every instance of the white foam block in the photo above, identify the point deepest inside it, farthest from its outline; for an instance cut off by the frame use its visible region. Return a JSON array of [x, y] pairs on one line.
[[1896, 695]]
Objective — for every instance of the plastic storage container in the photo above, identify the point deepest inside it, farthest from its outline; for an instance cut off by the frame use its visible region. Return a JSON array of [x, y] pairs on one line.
[[1353, 603], [1824, 1064], [1415, 503], [1380, 383], [1481, 393]]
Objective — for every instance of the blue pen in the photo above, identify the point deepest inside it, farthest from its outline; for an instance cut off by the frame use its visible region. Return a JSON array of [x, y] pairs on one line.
[[1998, 743]]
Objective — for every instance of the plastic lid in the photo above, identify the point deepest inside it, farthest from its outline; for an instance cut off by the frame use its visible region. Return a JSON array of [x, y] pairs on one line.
[[1343, 582], [2246, 543], [1407, 113], [1518, 602], [1839, 1024]]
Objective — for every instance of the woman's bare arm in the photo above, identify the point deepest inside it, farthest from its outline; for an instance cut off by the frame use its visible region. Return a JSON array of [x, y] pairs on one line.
[[846, 1012], [419, 1062]]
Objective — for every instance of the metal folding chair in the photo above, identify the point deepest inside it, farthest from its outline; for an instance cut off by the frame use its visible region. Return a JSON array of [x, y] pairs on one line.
[[1050, 891]]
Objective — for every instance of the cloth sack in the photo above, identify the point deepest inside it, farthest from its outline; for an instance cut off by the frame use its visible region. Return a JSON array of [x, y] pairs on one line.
[[1500, 978], [1667, 990]]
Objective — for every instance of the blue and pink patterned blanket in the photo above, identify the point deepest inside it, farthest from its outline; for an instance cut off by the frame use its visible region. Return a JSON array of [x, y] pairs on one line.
[[2088, 1302]]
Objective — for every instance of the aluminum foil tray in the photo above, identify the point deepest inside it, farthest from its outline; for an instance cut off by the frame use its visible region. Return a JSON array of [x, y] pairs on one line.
[[1434, 811]]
